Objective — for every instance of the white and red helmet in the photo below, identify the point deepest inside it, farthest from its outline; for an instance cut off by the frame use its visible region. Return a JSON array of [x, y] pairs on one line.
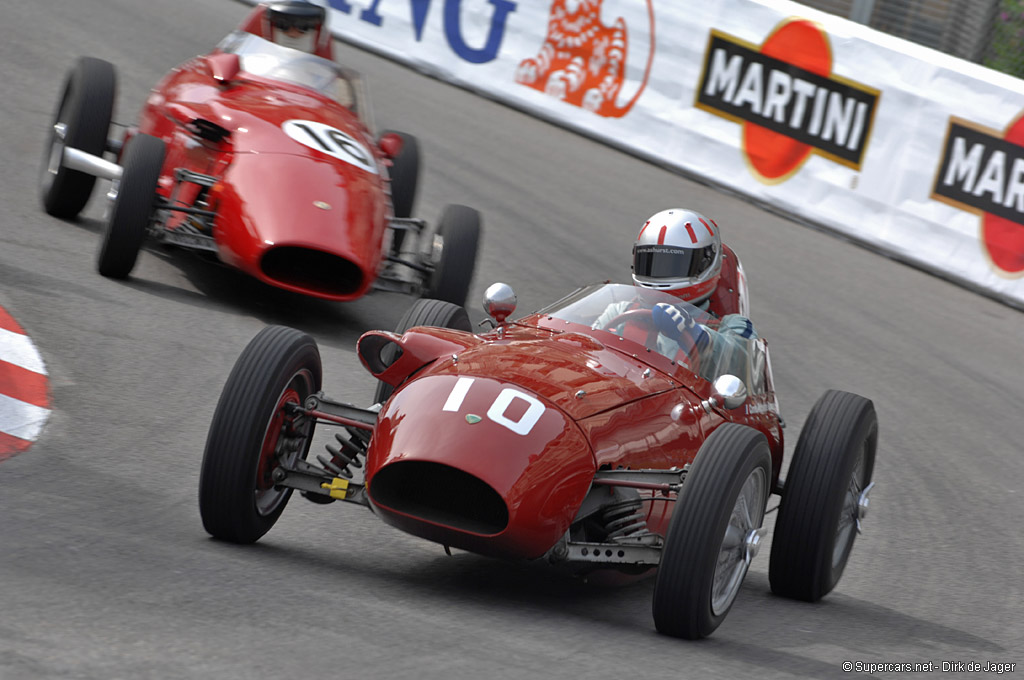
[[678, 251]]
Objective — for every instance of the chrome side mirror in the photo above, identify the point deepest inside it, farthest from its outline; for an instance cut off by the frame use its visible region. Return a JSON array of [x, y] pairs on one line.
[[727, 391], [499, 301]]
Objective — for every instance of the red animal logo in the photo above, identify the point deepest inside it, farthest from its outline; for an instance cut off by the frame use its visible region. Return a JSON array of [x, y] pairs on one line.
[[583, 61]]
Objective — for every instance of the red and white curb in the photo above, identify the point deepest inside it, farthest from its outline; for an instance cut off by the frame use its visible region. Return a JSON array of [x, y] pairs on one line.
[[24, 389]]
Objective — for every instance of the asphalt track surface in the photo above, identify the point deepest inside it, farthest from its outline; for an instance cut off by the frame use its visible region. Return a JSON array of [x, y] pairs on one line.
[[106, 572]]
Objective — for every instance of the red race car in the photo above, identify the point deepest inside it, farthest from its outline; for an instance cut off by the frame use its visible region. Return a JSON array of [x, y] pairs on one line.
[[569, 435], [263, 157]]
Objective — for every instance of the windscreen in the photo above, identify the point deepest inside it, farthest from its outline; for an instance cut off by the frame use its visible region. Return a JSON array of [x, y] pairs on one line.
[[266, 59], [712, 348]]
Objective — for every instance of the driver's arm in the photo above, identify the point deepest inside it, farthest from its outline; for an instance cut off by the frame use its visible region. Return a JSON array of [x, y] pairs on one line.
[[610, 312]]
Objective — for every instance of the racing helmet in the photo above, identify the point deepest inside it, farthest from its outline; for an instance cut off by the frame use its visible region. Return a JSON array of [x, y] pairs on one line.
[[297, 24], [678, 251]]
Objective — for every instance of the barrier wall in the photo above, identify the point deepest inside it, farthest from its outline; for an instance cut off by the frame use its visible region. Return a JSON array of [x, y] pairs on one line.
[[909, 150]]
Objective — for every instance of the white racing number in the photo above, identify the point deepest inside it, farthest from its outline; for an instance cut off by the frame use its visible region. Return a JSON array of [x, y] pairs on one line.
[[332, 142], [496, 412]]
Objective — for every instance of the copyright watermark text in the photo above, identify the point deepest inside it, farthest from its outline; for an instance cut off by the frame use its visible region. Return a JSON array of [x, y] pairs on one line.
[[929, 667]]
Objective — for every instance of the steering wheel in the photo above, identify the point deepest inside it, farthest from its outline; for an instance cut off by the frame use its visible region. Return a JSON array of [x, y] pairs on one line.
[[639, 317]]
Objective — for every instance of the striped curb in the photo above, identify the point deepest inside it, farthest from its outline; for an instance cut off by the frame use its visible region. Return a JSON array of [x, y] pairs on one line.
[[24, 389]]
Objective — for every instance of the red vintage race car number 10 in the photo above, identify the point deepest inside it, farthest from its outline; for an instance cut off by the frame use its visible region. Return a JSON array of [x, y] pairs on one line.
[[332, 142], [496, 413]]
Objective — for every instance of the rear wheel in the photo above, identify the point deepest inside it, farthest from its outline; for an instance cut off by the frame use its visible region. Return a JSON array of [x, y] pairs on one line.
[[458, 234], [130, 215], [81, 121], [405, 173], [824, 497], [424, 312], [714, 533], [253, 432]]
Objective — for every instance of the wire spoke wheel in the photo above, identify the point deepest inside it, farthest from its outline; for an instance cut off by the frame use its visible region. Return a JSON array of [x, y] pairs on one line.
[[825, 496], [735, 554], [255, 431], [282, 445], [714, 533], [846, 529], [81, 121]]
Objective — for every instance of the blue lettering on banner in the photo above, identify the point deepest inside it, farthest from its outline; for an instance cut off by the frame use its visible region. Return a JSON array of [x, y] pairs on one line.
[[419, 16], [370, 15], [453, 31], [452, 24]]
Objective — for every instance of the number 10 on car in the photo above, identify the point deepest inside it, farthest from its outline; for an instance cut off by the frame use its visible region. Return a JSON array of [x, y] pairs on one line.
[[499, 407]]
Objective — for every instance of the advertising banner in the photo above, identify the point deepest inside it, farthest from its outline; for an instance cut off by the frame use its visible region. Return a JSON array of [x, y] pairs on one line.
[[901, 147]]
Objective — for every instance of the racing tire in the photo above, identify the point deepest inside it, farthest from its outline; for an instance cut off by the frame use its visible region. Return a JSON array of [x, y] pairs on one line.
[[85, 110], [423, 312], [714, 532], [130, 214], [832, 465], [405, 175], [251, 430], [459, 232]]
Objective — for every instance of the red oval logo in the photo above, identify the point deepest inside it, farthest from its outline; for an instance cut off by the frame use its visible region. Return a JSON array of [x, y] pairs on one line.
[[799, 42]]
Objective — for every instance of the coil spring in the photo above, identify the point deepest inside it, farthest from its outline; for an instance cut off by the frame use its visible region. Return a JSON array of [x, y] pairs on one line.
[[345, 455], [625, 519]]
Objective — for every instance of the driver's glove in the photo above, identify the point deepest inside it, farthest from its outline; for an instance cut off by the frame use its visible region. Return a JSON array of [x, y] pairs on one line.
[[671, 321]]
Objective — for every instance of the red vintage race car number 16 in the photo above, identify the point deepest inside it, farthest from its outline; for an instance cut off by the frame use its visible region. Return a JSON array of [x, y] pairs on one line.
[[332, 142]]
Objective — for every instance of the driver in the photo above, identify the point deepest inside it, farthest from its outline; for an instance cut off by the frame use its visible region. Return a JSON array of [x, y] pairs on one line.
[[296, 24], [679, 252]]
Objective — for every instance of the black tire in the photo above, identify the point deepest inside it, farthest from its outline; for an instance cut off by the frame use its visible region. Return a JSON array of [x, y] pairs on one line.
[[142, 161], [237, 498], [734, 459], [85, 108], [459, 229], [405, 175], [423, 313], [833, 462]]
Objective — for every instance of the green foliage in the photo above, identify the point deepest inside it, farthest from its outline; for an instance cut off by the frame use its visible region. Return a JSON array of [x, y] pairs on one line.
[[1006, 52]]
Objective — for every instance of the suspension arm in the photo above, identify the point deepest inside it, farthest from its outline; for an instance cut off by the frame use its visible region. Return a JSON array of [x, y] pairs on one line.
[[665, 481], [320, 407], [313, 480]]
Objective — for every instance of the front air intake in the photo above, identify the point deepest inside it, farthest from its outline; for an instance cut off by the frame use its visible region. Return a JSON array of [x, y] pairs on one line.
[[312, 270], [440, 494]]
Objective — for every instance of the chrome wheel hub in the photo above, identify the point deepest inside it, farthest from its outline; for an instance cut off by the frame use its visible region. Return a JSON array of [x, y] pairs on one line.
[[741, 543]]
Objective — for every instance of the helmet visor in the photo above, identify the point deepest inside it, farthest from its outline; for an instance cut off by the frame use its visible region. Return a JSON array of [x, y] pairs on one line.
[[302, 17], [667, 262]]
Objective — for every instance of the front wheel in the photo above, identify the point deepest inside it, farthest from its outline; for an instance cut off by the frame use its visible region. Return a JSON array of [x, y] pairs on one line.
[[423, 312], [714, 534], [81, 121], [457, 239], [825, 496], [254, 431], [142, 162]]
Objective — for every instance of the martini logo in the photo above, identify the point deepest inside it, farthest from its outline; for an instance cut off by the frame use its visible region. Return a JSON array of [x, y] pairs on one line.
[[583, 61], [784, 95], [982, 171]]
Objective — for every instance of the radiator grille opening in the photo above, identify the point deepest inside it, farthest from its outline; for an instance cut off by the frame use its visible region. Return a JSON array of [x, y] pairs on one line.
[[313, 270], [440, 494]]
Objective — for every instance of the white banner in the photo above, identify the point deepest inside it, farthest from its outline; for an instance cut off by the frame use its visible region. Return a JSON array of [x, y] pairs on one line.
[[914, 152]]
